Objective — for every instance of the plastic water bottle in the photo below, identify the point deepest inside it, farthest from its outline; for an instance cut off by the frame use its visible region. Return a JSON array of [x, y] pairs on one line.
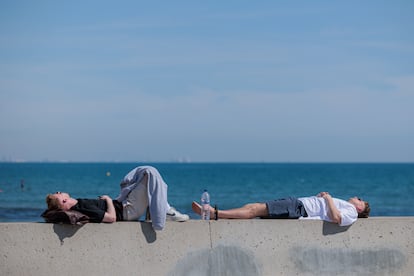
[[205, 205]]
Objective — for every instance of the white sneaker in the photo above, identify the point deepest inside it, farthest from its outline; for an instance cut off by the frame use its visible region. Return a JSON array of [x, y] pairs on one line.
[[174, 215]]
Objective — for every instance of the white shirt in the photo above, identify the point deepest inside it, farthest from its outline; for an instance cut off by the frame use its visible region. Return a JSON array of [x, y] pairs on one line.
[[317, 208]]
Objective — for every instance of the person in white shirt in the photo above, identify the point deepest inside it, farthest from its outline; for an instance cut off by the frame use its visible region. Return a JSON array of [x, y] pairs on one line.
[[322, 206]]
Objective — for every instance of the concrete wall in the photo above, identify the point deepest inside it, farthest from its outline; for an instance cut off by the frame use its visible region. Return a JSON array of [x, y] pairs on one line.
[[374, 246]]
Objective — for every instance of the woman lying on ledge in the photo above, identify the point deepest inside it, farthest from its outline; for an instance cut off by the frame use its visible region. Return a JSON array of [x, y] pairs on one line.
[[142, 188], [321, 206]]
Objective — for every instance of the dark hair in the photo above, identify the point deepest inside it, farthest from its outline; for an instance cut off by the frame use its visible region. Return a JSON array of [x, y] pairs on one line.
[[365, 213]]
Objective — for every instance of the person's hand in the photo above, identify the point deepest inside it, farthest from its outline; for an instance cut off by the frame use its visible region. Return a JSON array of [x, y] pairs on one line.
[[105, 197], [333, 213], [110, 215], [324, 195]]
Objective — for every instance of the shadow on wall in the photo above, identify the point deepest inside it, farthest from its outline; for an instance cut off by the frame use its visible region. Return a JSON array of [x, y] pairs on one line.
[[64, 231], [330, 228], [149, 232], [347, 261], [221, 260]]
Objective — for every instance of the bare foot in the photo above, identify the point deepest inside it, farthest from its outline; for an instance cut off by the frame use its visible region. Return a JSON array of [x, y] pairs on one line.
[[197, 209]]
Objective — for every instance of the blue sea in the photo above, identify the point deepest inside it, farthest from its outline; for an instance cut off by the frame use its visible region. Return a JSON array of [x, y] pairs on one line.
[[389, 188]]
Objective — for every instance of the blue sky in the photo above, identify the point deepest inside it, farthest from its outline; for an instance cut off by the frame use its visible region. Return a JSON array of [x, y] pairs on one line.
[[207, 81]]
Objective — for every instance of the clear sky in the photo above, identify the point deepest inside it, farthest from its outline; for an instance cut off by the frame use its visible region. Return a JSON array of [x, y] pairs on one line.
[[206, 81]]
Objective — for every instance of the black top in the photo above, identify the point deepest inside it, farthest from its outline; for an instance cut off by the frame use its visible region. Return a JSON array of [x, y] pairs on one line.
[[95, 209]]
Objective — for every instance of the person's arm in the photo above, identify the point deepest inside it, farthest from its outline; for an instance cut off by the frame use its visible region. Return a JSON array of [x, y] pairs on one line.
[[110, 214], [333, 212]]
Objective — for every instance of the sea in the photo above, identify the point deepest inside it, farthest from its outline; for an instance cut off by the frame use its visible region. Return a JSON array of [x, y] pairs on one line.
[[388, 187]]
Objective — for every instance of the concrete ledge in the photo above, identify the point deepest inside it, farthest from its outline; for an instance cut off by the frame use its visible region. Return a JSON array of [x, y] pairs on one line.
[[374, 246]]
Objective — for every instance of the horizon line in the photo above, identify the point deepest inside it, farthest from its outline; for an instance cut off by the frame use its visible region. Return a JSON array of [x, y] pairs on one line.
[[204, 162]]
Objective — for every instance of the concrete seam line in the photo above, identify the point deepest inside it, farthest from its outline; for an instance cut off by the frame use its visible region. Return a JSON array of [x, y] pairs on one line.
[[209, 232]]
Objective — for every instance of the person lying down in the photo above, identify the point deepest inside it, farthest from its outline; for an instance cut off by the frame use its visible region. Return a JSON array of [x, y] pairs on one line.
[[322, 206]]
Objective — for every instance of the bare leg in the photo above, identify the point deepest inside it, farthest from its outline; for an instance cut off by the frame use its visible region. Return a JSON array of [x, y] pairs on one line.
[[248, 211]]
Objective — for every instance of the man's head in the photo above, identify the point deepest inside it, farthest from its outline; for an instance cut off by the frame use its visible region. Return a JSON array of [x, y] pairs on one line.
[[59, 200], [362, 207]]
